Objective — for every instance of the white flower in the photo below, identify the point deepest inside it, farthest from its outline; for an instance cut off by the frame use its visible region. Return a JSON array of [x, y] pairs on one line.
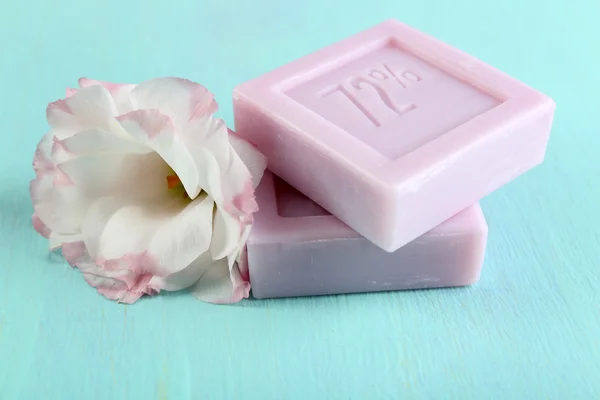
[[145, 191]]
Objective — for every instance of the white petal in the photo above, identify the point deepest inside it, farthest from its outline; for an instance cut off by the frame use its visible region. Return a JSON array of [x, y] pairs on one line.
[[180, 99], [91, 107], [186, 277], [95, 221], [172, 234], [242, 264], [124, 175], [209, 144], [128, 230], [183, 238], [220, 286], [250, 156], [121, 93], [222, 174], [98, 141], [58, 239], [226, 234], [156, 131], [233, 190]]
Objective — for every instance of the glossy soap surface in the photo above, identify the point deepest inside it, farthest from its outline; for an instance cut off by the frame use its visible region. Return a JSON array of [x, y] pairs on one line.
[[296, 248], [393, 131]]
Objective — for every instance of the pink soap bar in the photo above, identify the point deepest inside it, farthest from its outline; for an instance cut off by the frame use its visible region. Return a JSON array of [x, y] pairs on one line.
[[296, 248], [393, 131]]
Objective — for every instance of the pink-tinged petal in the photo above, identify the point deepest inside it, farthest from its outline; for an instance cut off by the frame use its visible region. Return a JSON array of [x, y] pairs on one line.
[[114, 289], [242, 205], [142, 263], [125, 280], [75, 253], [120, 92], [250, 156], [237, 255], [40, 227], [70, 92], [61, 178], [42, 162], [60, 152], [151, 290], [238, 188], [242, 263], [180, 99], [135, 270], [150, 123], [220, 286], [91, 107], [241, 285], [155, 130], [245, 201], [186, 277], [137, 289], [238, 194], [202, 103], [111, 87], [60, 105]]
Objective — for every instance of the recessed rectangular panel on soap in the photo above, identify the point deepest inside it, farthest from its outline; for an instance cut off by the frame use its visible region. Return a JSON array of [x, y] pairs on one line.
[[298, 249], [390, 100], [393, 131]]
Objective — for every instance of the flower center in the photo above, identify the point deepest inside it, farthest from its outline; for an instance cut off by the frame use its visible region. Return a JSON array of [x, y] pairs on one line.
[[173, 182], [175, 186]]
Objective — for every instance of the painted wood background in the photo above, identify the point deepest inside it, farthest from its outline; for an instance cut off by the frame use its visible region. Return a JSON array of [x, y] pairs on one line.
[[529, 330]]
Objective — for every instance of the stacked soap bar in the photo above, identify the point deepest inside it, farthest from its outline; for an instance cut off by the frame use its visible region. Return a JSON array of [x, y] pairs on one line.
[[296, 248], [392, 131]]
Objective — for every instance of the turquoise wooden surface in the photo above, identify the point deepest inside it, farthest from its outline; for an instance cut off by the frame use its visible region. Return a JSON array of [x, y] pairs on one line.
[[529, 330]]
